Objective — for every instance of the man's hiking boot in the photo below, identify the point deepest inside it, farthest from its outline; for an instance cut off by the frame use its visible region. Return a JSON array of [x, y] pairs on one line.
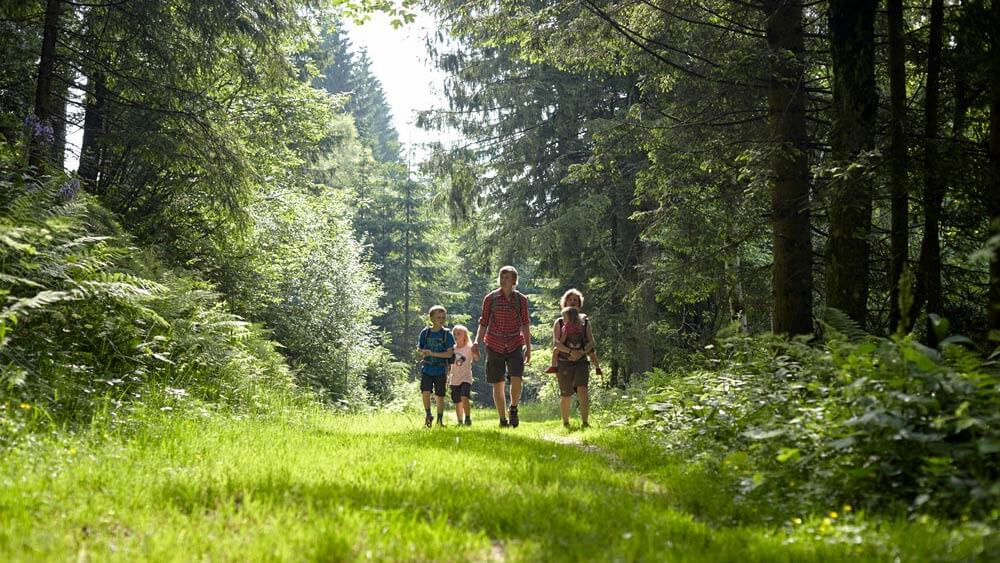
[[440, 421], [514, 421], [554, 369], [429, 421], [504, 423], [586, 425], [468, 421]]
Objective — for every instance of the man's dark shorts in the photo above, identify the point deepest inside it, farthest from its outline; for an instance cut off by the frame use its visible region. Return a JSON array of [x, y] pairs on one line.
[[572, 375], [459, 391], [433, 382], [498, 364]]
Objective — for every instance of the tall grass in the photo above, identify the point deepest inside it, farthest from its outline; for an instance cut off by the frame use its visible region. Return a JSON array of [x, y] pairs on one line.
[[310, 485]]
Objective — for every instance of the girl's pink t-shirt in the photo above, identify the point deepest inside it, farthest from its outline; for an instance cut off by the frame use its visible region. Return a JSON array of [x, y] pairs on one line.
[[461, 370]]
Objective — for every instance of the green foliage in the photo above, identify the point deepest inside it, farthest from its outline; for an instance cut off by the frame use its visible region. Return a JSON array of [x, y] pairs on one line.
[[876, 423], [304, 276], [92, 325]]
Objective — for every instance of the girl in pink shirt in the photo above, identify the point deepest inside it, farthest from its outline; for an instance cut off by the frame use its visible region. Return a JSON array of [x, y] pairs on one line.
[[460, 378]]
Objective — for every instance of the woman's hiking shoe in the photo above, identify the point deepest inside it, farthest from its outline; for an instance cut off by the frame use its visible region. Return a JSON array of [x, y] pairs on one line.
[[514, 421], [429, 421], [504, 423], [554, 369]]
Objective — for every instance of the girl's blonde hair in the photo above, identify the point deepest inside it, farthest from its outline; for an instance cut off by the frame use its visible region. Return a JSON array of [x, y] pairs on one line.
[[574, 314], [569, 293], [460, 329]]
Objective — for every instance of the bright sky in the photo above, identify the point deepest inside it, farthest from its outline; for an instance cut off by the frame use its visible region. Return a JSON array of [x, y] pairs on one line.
[[409, 79]]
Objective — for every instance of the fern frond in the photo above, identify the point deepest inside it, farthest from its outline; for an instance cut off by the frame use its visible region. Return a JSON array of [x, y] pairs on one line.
[[40, 300], [838, 322], [16, 280]]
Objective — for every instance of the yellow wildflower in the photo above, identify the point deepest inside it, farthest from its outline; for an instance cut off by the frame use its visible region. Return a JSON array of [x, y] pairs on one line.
[[25, 406]]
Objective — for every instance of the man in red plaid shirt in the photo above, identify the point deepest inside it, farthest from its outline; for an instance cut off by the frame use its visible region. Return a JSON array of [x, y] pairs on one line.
[[505, 327]]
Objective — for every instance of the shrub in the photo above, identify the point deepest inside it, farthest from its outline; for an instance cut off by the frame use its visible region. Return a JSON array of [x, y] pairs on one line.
[[90, 323], [885, 424]]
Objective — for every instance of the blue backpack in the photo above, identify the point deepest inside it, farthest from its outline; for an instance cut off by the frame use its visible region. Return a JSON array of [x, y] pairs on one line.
[[432, 360]]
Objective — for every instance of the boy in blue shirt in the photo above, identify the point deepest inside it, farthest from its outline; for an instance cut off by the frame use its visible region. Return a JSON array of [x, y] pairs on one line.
[[437, 346]]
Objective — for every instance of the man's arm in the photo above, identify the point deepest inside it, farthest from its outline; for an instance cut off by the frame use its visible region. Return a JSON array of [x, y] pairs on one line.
[[526, 330], [484, 321]]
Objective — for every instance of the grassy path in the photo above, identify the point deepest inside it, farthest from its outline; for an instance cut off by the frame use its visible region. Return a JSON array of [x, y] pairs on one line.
[[316, 486]]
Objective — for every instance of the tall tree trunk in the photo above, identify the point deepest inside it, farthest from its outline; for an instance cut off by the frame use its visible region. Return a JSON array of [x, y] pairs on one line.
[[407, 257], [993, 193], [37, 150], [786, 97], [929, 277], [93, 128], [58, 119], [643, 311], [898, 185], [852, 47]]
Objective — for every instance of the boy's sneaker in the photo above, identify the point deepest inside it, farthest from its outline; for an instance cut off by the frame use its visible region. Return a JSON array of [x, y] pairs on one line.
[[514, 421], [554, 369], [504, 423], [429, 421]]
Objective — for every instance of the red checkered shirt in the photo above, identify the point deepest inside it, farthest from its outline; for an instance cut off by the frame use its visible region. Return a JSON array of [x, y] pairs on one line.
[[504, 330]]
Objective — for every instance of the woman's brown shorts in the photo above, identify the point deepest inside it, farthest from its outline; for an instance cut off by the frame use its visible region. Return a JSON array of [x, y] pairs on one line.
[[572, 375]]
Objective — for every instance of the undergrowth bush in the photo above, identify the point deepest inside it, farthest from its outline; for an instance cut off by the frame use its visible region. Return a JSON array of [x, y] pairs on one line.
[[885, 424], [91, 324]]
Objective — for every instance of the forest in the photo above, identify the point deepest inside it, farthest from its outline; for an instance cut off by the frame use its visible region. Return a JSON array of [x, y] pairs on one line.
[[217, 256]]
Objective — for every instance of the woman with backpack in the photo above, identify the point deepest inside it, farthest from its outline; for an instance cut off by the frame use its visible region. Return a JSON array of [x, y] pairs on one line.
[[573, 339]]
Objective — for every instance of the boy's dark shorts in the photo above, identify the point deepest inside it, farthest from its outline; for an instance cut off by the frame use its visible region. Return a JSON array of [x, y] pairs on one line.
[[433, 382], [461, 390], [498, 364], [572, 375]]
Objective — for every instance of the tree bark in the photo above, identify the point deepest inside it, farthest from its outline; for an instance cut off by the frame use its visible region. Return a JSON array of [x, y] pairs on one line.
[[929, 277], [58, 119], [37, 151], [792, 269], [852, 49], [898, 185], [993, 194], [93, 128]]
